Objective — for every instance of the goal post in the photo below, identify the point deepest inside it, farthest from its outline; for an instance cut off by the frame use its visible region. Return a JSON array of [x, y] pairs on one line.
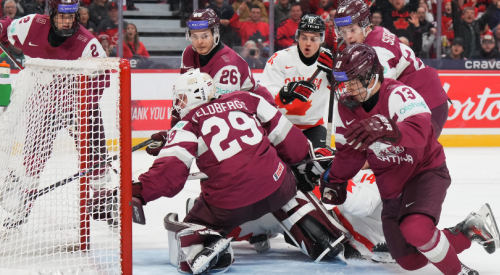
[[65, 204]]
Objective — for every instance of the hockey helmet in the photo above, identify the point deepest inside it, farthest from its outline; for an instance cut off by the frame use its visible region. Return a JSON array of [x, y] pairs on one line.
[[311, 23], [68, 7], [352, 12], [356, 61], [191, 90], [201, 20]]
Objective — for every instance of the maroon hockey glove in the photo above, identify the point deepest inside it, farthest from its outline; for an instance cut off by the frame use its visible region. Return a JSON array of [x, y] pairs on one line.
[[104, 205], [301, 90], [332, 193], [375, 128], [155, 147], [325, 61], [137, 191], [313, 170]]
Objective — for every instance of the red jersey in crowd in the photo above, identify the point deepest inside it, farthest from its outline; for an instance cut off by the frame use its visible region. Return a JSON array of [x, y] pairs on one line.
[[286, 33], [447, 27], [249, 30], [129, 50]]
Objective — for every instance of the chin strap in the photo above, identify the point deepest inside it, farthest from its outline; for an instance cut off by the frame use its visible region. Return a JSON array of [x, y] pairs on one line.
[[369, 90]]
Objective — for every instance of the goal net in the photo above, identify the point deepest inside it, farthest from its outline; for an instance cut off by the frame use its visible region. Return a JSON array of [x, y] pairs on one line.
[[63, 139]]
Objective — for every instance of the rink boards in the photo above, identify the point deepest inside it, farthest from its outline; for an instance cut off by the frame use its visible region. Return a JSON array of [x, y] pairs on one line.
[[473, 119]]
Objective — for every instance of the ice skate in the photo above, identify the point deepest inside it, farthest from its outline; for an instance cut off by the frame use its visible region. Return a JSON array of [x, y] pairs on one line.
[[210, 255], [480, 227], [467, 270], [381, 254], [261, 243]]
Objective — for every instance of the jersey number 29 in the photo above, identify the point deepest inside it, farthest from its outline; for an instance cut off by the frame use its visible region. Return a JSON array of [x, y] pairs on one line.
[[223, 134]]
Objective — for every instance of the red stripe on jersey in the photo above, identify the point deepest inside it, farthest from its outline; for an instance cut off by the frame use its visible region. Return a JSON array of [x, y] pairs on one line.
[[305, 127], [358, 237]]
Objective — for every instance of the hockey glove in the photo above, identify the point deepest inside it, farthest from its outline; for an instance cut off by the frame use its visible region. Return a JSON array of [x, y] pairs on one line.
[[375, 128], [313, 170], [325, 61], [104, 206], [301, 90], [155, 147], [137, 191], [332, 193]]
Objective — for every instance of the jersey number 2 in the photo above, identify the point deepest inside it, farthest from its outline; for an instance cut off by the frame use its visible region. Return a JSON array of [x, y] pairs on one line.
[[93, 47], [224, 128]]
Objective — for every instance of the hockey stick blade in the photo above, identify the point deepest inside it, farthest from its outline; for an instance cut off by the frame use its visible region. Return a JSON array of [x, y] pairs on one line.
[[28, 202]]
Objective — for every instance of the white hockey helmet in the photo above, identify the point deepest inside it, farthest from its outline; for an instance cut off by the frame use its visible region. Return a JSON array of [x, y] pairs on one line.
[[193, 89]]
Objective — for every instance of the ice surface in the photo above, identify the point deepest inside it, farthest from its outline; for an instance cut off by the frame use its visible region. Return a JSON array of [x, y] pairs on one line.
[[476, 180]]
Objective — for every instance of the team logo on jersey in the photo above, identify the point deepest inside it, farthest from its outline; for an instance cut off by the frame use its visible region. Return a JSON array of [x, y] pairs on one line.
[[278, 172], [180, 124], [82, 38]]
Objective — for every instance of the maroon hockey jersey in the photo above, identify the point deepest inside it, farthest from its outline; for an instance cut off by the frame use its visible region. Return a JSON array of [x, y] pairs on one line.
[[30, 34], [393, 166], [400, 63], [240, 141]]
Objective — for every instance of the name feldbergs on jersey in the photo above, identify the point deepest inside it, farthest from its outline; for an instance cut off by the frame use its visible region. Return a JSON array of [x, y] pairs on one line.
[[285, 66], [30, 34]]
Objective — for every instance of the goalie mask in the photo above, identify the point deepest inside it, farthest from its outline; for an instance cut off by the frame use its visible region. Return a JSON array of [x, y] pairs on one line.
[[62, 11], [193, 89], [201, 20], [352, 12], [354, 69]]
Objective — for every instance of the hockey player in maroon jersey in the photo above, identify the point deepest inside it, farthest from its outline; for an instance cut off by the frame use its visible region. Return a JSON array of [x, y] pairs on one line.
[[352, 24], [230, 138], [388, 124], [57, 36], [228, 70]]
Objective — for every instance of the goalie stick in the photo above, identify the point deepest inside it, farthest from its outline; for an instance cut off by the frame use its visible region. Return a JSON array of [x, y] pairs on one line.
[[34, 194]]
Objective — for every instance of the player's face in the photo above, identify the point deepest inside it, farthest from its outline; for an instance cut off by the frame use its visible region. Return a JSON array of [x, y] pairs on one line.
[[352, 34], [202, 40], [356, 90], [309, 43], [181, 101], [65, 21]]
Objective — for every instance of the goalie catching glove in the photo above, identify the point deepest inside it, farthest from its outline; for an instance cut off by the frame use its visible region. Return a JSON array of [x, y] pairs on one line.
[[300, 90], [311, 172], [160, 139], [332, 193], [375, 128]]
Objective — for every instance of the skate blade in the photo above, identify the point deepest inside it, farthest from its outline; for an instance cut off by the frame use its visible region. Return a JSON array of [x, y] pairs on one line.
[[328, 249], [202, 268], [486, 212]]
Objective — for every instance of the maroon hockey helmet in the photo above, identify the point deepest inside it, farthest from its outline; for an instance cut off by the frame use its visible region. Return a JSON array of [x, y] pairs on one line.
[[64, 6], [352, 12], [201, 20], [356, 61]]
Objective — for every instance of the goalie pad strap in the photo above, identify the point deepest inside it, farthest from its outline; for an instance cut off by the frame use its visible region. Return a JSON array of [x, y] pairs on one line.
[[290, 205], [299, 214]]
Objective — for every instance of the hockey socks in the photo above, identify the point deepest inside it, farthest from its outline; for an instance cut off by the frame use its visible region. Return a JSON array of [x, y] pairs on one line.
[[420, 231]]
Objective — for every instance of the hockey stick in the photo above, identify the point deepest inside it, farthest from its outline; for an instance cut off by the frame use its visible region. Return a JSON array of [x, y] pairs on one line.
[[315, 74], [34, 194], [10, 57]]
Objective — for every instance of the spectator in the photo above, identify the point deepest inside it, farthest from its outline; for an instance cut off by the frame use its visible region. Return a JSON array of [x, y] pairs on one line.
[[16, 53], [254, 60], [98, 11], [10, 9], [245, 52], [488, 49], [244, 12], [330, 34], [457, 50], [21, 8], [416, 36], [447, 21], [404, 40], [286, 30], [281, 12], [496, 32], [376, 18], [84, 20], [105, 43], [323, 7], [224, 11], [36, 7], [398, 18], [110, 25], [495, 18], [428, 33], [428, 16], [254, 29], [132, 47], [469, 28]]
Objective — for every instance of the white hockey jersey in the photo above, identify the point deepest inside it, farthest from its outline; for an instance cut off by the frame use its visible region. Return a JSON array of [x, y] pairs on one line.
[[285, 66]]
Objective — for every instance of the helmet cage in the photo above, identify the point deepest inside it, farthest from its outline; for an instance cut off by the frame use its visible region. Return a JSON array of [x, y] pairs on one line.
[[67, 9], [194, 89], [343, 96]]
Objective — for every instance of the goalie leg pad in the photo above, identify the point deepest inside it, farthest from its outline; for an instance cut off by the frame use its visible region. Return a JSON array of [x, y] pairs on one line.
[[195, 249]]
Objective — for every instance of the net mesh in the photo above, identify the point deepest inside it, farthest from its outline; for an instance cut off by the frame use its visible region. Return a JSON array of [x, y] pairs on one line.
[[63, 120]]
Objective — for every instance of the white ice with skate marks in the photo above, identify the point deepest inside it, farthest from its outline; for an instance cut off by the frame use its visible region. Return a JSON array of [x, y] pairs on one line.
[[476, 180]]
